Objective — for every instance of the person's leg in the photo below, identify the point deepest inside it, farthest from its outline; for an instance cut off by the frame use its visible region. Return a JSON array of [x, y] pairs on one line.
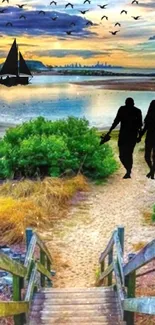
[[148, 152], [126, 158], [153, 163]]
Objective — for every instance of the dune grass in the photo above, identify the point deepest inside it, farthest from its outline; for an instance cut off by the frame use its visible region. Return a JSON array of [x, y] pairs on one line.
[[36, 204]]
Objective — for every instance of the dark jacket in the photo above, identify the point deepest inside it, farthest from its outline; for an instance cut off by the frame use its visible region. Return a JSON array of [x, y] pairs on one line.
[[130, 118]]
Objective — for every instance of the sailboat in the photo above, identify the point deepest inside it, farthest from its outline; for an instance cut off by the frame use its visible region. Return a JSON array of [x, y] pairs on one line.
[[15, 70]]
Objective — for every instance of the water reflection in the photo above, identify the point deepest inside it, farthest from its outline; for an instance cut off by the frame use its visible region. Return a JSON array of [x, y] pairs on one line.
[[60, 100]]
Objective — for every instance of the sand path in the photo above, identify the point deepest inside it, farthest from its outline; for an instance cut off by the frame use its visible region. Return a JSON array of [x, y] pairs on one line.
[[78, 240]]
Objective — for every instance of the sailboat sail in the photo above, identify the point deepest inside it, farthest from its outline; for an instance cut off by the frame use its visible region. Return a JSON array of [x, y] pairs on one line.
[[23, 68], [10, 66]]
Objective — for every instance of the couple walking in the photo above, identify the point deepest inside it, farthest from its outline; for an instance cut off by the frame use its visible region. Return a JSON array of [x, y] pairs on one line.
[[131, 132]]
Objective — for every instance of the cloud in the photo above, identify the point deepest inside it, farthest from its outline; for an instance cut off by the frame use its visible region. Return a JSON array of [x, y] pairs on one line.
[[149, 4], [85, 54], [36, 24]]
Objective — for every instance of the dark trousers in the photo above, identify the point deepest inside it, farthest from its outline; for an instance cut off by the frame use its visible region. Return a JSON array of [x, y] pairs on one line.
[[126, 155], [150, 155]]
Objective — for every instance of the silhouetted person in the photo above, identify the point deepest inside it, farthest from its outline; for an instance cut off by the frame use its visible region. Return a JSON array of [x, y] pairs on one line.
[[130, 118], [149, 128]]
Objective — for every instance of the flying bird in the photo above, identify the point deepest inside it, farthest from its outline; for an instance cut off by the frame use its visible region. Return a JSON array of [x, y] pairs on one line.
[[22, 16], [69, 4], [54, 18], [134, 1], [136, 18], [2, 11], [69, 32], [124, 11], [103, 7], [53, 2], [115, 32], [5, 0], [89, 23], [41, 12], [87, 1], [106, 17], [20, 6], [83, 12], [118, 24], [9, 24]]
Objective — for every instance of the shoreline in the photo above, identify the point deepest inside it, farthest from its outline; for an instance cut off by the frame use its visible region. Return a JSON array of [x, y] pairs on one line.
[[5, 126], [121, 84]]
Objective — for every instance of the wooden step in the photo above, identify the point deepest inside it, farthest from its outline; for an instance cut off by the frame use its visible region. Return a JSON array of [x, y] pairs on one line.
[[76, 306], [47, 313], [103, 307], [75, 322], [77, 301], [72, 289], [78, 320], [64, 295]]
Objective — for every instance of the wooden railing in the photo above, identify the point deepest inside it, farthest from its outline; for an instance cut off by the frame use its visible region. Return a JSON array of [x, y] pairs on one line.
[[124, 279], [24, 277]]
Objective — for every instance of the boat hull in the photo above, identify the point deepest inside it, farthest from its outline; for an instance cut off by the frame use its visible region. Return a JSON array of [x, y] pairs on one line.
[[14, 81]]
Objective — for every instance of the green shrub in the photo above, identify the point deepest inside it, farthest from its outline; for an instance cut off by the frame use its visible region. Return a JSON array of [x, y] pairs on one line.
[[41, 147], [153, 214]]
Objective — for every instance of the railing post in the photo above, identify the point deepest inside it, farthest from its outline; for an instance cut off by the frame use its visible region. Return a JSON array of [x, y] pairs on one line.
[[29, 234], [121, 236], [110, 260], [17, 287], [42, 261], [131, 288], [49, 269]]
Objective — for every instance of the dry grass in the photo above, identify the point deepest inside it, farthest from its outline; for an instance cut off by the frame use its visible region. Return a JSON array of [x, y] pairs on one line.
[[138, 246], [147, 215], [35, 204]]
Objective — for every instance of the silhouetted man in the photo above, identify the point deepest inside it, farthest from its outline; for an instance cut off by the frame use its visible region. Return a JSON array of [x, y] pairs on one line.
[[130, 118]]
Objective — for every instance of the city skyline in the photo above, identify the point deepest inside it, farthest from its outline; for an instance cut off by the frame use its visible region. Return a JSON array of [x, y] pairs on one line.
[[41, 38]]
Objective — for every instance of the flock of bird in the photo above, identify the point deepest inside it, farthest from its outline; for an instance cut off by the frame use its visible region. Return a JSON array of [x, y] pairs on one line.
[[73, 24]]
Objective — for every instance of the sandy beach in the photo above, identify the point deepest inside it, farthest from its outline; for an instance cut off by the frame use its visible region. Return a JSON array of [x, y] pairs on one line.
[[140, 84]]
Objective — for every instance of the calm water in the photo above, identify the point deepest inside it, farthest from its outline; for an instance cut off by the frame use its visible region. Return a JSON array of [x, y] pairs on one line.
[[55, 97]]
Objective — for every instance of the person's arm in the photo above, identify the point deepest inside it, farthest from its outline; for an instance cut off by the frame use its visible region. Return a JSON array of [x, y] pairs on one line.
[[117, 120], [140, 130], [140, 124]]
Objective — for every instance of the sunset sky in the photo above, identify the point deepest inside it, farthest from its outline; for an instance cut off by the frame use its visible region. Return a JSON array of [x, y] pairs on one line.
[[41, 38]]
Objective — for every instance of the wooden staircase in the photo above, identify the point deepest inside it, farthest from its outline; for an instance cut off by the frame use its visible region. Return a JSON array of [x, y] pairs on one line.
[[93, 306], [110, 303]]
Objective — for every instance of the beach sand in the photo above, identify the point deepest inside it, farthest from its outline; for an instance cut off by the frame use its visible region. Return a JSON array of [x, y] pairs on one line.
[[142, 84]]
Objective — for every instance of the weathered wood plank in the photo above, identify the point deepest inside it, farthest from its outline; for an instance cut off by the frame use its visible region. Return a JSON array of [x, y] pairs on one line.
[[43, 262], [119, 256], [30, 252], [42, 270], [140, 305], [147, 254], [110, 261], [108, 249], [106, 272], [7, 264], [44, 248], [30, 287], [13, 308], [120, 290], [120, 232]]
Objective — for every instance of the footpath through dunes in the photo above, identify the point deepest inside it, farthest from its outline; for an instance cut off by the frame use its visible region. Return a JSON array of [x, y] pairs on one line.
[[77, 241]]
